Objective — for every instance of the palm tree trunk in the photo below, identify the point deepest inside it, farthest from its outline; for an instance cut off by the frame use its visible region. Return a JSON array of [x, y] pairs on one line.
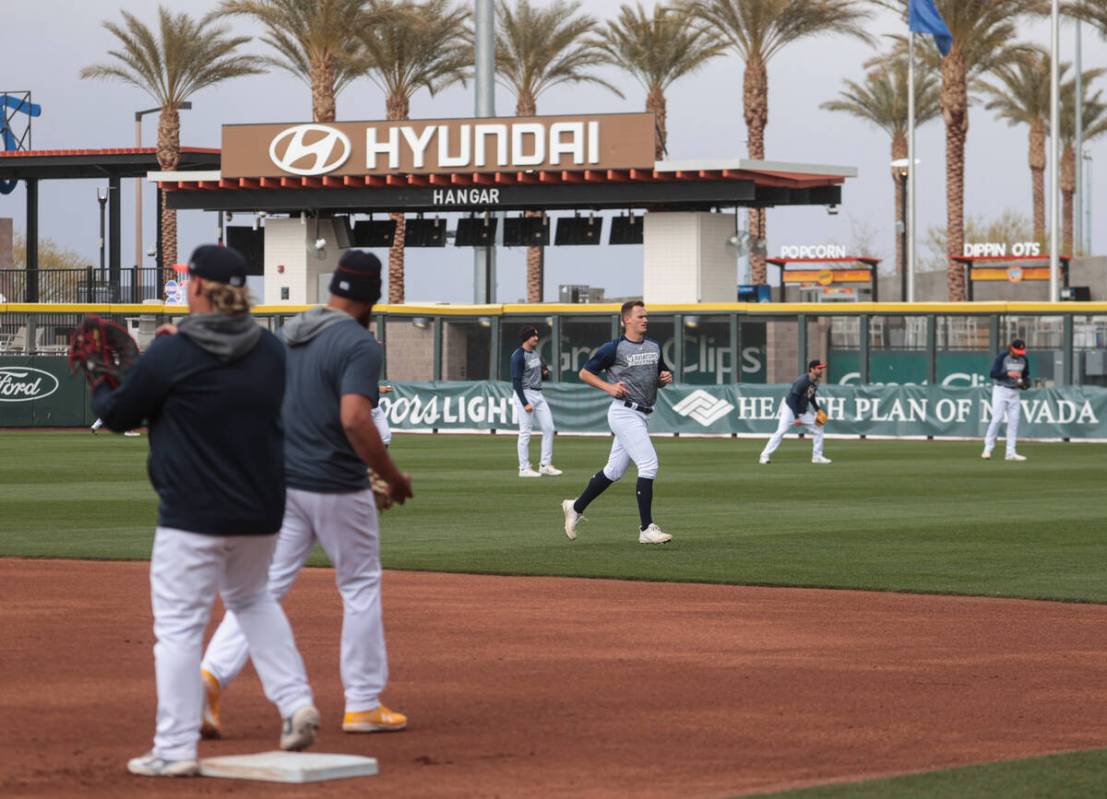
[[1037, 159], [398, 107], [899, 151], [322, 90], [955, 111], [526, 105], [169, 156], [1068, 192], [655, 102], [755, 108]]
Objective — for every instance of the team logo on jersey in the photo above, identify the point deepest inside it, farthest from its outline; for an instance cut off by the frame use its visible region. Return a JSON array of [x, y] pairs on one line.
[[703, 408], [24, 384], [309, 149]]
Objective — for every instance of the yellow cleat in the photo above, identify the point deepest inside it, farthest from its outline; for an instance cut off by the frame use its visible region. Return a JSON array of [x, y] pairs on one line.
[[211, 727], [380, 719]]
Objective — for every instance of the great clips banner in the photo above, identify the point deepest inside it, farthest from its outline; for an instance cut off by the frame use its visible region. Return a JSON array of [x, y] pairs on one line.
[[1075, 412]]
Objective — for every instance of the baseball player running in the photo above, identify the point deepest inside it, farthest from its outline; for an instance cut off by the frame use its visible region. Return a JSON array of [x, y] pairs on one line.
[[1010, 373], [211, 395], [797, 410], [330, 438], [635, 368], [527, 373]]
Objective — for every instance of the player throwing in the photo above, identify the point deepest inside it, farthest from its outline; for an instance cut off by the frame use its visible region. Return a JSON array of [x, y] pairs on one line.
[[527, 373], [1010, 373], [635, 369], [797, 410]]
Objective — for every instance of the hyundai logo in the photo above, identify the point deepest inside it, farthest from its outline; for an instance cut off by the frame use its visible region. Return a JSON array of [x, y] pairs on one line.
[[309, 149]]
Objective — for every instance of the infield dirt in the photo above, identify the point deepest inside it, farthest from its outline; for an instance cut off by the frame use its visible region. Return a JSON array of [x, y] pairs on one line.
[[531, 686]]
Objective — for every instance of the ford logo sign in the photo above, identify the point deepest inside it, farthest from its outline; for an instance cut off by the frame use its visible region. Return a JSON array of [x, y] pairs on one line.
[[309, 149], [24, 384]]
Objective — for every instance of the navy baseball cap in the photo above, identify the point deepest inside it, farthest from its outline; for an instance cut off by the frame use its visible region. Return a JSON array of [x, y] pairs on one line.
[[218, 264], [815, 364], [527, 332], [358, 277], [1018, 347]]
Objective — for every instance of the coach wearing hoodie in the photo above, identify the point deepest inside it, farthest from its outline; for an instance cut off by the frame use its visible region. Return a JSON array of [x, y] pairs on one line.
[[211, 394], [334, 367]]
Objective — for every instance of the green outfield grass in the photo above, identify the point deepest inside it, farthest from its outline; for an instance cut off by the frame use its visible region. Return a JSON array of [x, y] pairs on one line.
[[901, 516], [1073, 775]]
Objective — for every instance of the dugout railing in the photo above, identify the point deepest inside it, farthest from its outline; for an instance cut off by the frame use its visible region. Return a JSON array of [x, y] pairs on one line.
[[708, 344]]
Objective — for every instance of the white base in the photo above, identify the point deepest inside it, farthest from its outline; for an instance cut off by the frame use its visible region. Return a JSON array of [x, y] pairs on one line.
[[288, 767]]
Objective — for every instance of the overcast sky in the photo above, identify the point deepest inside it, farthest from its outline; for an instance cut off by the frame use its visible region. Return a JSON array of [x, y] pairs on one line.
[[47, 42]]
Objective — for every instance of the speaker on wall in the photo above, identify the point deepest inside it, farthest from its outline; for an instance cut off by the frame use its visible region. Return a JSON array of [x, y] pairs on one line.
[[527, 231], [626, 230], [251, 243], [475, 232], [425, 232], [574, 230], [374, 233]]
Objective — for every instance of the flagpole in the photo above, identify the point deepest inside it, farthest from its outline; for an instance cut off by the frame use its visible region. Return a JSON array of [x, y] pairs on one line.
[[911, 163], [1054, 148]]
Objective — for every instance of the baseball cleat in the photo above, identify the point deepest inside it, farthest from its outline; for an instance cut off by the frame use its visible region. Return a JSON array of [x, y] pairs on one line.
[[572, 518], [298, 730], [380, 719], [653, 535], [763, 459], [153, 765], [210, 725], [528, 472], [986, 455], [821, 459], [1015, 457], [549, 469]]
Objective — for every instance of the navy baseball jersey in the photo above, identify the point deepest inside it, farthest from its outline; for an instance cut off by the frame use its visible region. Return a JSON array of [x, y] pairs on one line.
[[801, 394], [526, 372], [636, 364], [1004, 364]]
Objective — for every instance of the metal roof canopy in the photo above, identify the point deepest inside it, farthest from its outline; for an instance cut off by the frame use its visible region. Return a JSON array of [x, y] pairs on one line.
[[31, 166], [672, 186]]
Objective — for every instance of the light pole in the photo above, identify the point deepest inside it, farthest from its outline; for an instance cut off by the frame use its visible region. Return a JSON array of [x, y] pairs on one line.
[[138, 181], [903, 169], [102, 199]]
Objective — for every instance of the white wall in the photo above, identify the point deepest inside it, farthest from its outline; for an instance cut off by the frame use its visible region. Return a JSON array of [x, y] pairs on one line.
[[290, 243], [687, 258]]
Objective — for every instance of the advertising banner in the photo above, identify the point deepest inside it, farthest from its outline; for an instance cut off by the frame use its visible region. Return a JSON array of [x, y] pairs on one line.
[[1076, 412], [40, 392]]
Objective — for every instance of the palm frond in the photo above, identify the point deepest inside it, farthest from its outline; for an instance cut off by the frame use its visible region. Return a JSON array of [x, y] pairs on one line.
[[184, 56]]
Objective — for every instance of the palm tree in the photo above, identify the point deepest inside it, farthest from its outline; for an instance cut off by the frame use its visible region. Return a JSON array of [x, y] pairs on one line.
[[1022, 98], [314, 40], [882, 100], [1095, 125], [982, 31], [657, 50], [537, 49], [424, 45], [757, 30], [1093, 11], [182, 57]]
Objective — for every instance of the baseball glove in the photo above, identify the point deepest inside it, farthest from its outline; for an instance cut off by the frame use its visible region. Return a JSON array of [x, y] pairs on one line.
[[1024, 385], [102, 349], [821, 417], [382, 491]]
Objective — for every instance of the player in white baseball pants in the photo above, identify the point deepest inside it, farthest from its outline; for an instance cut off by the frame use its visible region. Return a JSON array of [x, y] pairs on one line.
[[346, 526], [1010, 372], [380, 419], [787, 423], [527, 373]]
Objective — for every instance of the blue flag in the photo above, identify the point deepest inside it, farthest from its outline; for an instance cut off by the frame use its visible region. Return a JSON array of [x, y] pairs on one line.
[[923, 17]]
